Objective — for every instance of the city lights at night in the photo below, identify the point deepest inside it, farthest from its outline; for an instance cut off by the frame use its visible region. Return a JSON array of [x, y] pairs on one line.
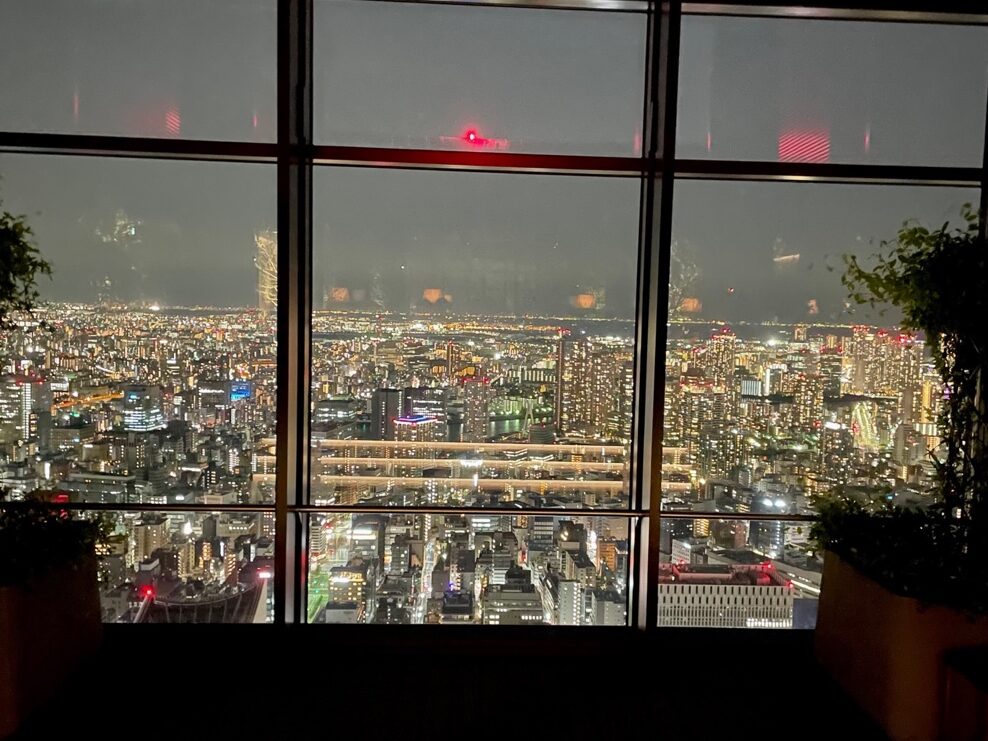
[[631, 347], [475, 331]]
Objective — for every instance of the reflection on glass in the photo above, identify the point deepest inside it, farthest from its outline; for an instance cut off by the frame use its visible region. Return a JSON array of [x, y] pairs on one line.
[[148, 374], [475, 347], [184, 567], [192, 69], [803, 90], [483, 79], [451, 569], [717, 573], [776, 387]]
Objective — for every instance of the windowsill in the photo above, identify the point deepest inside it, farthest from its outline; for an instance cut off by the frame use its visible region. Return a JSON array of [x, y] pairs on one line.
[[410, 681]]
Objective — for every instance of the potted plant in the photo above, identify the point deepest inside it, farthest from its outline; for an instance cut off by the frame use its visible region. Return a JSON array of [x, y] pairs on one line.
[[901, 586], [49, 604]]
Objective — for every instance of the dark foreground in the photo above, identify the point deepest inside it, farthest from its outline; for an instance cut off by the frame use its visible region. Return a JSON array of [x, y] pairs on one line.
[[369, 682]]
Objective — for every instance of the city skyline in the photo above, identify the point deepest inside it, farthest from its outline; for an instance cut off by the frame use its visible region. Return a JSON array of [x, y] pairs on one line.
[[157, 407]]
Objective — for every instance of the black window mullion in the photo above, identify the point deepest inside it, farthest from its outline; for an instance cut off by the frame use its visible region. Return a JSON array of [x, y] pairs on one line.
[[294, 299], [983, 205], [655, 238], [664, 179]]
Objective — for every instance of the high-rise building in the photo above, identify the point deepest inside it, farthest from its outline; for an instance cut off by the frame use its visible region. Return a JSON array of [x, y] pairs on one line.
[[569, 605], [541, 532], [572, 385], [427, 400], [25, 409], [317, 538], [622, 402], [719, 357], [594, 389], [142, 408], [809, 403], [150, 533], [266, 262], [417, 429], [386, 407], [836, 453], [477, 395]]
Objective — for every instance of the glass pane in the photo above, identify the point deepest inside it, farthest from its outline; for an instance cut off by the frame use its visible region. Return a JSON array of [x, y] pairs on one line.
[[451, 569], [475, 346], [832, 91], [738, 574], [148, 375], [191, 69], [478, 78], [776, 387], [185, 567]]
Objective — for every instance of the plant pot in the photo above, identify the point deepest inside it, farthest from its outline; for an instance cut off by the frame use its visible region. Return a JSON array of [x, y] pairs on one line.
[[46, 629], [887, 651]]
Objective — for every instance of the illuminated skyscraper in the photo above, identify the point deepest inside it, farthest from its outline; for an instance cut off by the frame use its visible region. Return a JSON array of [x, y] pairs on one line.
[[477, 395], [25, 409], [718, 359], [266, 262], [591, 389], [142, 408], [809, 403], [720, 355], [702, 411], [417, 429], [621, 401], [572, 385], [386, 406]]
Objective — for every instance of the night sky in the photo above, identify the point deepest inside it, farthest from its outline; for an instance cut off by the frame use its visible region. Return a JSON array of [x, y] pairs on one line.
[[421, 76]]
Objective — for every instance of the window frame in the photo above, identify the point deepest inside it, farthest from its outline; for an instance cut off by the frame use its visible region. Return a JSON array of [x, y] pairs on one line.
[[657, 168]]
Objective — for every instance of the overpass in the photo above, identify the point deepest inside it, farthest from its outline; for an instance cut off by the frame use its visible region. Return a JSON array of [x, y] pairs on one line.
[[598, 451], [489, 484], [499, 464]]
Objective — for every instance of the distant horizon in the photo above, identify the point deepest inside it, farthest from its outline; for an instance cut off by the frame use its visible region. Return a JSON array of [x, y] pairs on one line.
[[123, 306]]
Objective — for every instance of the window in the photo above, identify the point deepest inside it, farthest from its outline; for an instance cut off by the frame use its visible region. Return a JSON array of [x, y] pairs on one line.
[[796, 90], [476, 346], [188, 69], [413, 357], [498, 569], [174, 566], [777, 388], [148, 375], [488, 79]]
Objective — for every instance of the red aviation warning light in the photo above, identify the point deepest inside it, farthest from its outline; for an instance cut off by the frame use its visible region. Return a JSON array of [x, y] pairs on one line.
[[472, 138]]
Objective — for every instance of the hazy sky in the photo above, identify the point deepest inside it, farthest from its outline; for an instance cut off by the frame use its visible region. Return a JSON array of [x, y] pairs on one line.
[[421, 76]]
